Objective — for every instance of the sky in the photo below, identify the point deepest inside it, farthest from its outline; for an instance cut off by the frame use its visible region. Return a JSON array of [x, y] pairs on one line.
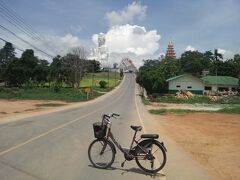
[[135, 29]]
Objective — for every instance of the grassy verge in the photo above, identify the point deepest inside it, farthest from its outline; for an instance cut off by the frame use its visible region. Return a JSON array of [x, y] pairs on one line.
[[64, 93], [145, 101], [229, 110], [174, 111], [89, 80], [198, 99]]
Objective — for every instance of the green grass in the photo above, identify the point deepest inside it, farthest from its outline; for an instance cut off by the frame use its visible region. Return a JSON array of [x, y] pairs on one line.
[[64, 94], [145, 101], [198, 99], [229, 110], [88, 80], [174, 111]]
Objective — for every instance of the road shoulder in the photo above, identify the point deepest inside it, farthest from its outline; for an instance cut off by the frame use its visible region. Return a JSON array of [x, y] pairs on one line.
[[66, 106], [180, 165]]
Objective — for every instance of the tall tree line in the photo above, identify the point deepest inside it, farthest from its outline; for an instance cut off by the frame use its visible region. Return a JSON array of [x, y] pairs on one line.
[[153, 74], [30, 70]]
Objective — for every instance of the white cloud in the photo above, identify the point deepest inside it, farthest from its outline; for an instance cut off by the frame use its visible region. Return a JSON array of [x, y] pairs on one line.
[[137, 60], [134, 39], [132, 12], [134, 42], [70, 41], [221, 51], [52, 45], [190, 48]]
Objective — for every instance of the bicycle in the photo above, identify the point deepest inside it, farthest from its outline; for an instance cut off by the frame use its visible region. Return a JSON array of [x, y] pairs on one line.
[[102, 150]]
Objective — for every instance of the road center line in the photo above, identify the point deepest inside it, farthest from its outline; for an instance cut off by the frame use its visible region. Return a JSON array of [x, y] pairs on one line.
[[58, 127]]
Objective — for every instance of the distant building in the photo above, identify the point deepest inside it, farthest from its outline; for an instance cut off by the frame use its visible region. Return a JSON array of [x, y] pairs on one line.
[[185, 82], [207, 85], [127, 65], [220, 84], [170, 51]]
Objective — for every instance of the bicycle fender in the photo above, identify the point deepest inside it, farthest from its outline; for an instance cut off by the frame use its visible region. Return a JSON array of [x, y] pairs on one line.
[[147, 141], [162, 144]]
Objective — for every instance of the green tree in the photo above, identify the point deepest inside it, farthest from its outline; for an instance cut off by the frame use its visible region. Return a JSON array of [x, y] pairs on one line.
[[22, 70], [57, 73], [41, 72], [192, 62], [7, 53], [151, 77], [170, 67]]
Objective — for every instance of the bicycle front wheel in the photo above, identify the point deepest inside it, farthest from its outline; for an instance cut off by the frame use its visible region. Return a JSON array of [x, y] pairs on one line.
[[155, 158], [101, 153]]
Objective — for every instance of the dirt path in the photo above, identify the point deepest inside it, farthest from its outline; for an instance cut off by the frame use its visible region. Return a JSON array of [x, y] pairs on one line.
[[211, 139], [14, 108]]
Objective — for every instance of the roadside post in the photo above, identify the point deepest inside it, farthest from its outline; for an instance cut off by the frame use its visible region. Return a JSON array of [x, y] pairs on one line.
[[87, 90]]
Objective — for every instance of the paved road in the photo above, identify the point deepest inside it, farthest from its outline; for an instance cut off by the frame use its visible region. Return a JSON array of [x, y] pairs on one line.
[[54, 146]]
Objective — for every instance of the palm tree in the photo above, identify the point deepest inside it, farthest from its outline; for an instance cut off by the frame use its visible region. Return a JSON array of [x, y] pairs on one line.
[[217, 56]]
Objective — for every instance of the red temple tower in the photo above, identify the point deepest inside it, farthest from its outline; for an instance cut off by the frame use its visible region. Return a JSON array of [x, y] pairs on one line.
[[170, 51]]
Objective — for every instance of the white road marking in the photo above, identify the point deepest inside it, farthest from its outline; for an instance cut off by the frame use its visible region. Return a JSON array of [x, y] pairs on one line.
[[141, 121], [57, 128]]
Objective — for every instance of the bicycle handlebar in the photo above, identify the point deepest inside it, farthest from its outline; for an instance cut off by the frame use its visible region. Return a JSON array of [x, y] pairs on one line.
[[107, 117]]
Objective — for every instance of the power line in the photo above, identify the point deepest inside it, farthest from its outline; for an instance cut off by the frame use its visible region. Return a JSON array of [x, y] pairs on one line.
[[18, 19], [12, 44], [18, 27], [13, 18], [6, 29]]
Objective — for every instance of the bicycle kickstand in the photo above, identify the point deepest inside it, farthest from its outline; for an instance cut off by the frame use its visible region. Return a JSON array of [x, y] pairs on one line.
[[123, 163]]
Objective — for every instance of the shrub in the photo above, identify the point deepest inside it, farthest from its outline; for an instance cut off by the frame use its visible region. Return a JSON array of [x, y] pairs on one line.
[[103, 84]]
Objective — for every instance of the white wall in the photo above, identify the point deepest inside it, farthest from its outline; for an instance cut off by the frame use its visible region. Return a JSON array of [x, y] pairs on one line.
[[184, 82]]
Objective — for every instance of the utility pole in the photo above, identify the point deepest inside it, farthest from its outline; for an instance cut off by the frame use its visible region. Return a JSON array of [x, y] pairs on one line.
[[92, 77], [108, 78], [115, 76]]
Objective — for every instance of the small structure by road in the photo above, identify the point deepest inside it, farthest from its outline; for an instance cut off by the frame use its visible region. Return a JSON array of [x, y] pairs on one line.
[[210, 85]]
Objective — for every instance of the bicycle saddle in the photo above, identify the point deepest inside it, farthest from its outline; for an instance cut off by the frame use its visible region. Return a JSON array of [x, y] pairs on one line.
[[136, 128]]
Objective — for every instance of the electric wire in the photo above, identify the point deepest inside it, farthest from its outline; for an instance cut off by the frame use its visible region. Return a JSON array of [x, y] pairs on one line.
[[14, 34], [17, 21], [12, 44]]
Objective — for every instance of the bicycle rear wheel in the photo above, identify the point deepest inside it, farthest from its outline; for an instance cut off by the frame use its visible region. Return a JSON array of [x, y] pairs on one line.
[[154, 160], [101, 153]]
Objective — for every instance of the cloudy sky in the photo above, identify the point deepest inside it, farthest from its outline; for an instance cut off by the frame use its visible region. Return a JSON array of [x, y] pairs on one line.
[[135, 29]]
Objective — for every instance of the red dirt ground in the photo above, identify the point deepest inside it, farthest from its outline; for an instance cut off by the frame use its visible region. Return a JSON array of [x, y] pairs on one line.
[[212, 139]]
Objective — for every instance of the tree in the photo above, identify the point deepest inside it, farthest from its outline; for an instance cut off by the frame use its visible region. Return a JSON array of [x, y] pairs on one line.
[[41, 71], [20, 71], [75, 65], [151, 77], [217, 58], [91, 65], [7, 53], [192, 62], [236, 62], [57, 70], [170, 67]]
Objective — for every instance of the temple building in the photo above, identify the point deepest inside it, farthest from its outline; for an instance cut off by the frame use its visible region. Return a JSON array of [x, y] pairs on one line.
[[170, 51]]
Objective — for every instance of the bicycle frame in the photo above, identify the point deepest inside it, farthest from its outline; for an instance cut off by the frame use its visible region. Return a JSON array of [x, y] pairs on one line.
[[111, 136]]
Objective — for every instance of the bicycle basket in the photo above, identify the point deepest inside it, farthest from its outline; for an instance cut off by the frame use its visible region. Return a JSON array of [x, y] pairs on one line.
[[99, 129]]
